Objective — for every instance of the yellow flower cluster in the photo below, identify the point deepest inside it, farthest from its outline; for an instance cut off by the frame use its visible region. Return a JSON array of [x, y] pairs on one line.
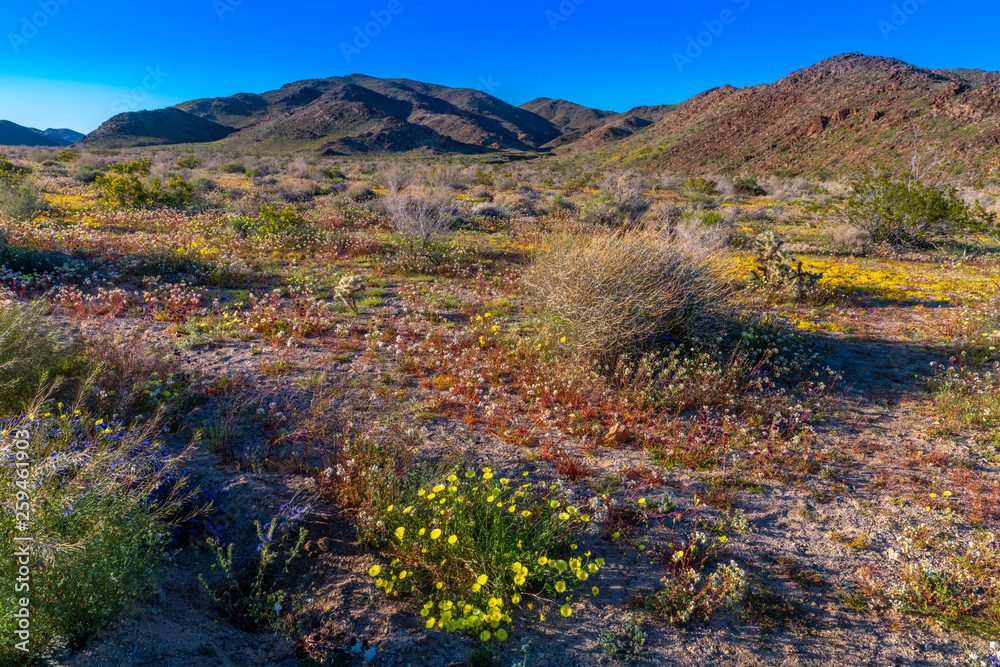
[[474, 548]]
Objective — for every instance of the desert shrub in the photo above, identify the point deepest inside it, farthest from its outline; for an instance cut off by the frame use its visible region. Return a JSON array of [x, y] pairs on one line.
[[420, 218], [21, 202], [484, 178], [247, 588], [348, 289], [747, 187], [506, 181], [99, 496], [232, 168], [203, 185], [778, 269], [124, 186], [489, 211], [471, 547], [359, 192], [620, 202], [852, 240], [394, 176], [188, 162], [28, 355], [515, 204], [703, 186], [67, 156], [286, 225], [911, 212], [618, 295]]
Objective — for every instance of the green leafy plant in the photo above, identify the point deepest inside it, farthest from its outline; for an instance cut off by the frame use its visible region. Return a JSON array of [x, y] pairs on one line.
[[124, 187]]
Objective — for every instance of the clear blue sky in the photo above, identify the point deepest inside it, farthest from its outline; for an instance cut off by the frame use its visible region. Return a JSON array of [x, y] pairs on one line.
[[75, 63]]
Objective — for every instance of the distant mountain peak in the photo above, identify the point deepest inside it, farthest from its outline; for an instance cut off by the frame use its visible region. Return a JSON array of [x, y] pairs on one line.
[[12, 134]]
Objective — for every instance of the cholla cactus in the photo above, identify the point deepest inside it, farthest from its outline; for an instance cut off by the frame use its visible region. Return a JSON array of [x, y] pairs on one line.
[[348, 289], [778, 268]]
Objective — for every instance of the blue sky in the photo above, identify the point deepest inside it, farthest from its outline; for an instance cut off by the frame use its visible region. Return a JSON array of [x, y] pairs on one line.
[[76, 63]]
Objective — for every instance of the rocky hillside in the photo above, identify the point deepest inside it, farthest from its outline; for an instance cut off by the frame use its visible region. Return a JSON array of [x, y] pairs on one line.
[[360, 114], [155, 128], [833, 117], [567, 116], [611, 129]]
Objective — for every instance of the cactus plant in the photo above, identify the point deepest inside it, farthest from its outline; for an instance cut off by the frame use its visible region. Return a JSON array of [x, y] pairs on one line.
[[348, 289], [779, 269]]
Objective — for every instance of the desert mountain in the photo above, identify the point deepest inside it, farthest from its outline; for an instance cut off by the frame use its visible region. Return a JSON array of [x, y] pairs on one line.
[[62, 134], [155, 128], [567, 116], [12, 134], [362, 114], [835, 116], [611, 129]]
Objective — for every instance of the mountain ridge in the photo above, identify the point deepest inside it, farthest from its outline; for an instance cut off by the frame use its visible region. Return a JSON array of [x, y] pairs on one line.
[[833, 116]]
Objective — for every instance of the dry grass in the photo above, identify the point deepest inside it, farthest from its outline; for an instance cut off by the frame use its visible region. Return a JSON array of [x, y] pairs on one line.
[[615, 295]]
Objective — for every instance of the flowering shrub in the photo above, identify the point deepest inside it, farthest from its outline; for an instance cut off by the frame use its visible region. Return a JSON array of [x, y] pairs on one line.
[[473, 548], [9, 173], [687, 594], [286, 225], [124, 187]]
